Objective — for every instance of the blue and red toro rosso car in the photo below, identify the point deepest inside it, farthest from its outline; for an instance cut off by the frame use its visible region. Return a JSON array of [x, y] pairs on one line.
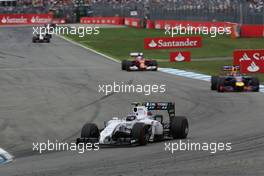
[[139, 63], [234, 81]]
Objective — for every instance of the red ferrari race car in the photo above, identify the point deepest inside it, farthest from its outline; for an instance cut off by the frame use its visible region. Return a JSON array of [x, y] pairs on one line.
[[234, 81], [139, 63]]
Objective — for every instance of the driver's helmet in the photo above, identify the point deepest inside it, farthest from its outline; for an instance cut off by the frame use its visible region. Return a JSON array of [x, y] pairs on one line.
[[130, 118], [139, 57], [43, 31], [234, 71]]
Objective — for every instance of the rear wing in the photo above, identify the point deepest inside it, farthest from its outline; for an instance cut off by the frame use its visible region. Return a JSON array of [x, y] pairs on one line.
[[231, 68], [135, 54], [160, 106]]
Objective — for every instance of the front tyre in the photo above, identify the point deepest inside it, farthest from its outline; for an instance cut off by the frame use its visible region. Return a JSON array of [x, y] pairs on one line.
[[48, 40], [34, 40], [90, 130], [140, 133], [179, 127], [123, 64], [214, 81]]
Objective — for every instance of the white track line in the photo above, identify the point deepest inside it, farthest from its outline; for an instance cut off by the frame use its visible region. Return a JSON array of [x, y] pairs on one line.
[[90, 49], [173, 71]]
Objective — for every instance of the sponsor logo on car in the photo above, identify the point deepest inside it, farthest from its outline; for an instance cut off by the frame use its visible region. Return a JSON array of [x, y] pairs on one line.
[[172, 42]]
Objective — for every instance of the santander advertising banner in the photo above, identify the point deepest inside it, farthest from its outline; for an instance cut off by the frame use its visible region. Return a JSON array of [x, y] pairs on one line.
[[16, 19], [180, 56], [173, 42], [250, 61]]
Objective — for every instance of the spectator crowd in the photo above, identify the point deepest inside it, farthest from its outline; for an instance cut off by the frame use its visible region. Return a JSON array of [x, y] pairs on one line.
[[253, 5], [123, 7]]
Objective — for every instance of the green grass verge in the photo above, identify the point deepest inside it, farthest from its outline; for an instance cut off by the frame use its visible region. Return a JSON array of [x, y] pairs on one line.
[[119, 42]]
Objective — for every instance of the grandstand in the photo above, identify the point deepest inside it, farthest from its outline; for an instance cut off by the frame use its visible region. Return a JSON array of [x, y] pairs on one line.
[[239, 11]]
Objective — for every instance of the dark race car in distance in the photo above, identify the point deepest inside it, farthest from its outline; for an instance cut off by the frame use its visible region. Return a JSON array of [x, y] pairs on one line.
[[39, 38], [50, 27], [234, 81], [139, 63]]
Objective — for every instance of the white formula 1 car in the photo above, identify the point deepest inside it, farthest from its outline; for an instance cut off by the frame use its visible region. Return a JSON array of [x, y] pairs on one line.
[[140, 127]]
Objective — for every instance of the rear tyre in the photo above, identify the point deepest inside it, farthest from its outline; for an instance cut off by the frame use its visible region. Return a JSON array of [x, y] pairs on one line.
[[140, 133], [123, 64], [179, 127], [220, 85], [255, 83], [214, 81], [90, 130]]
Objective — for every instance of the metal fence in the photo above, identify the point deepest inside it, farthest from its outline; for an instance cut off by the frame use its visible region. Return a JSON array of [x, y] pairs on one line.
[[238, 11], [198, 10], [234, 11], [22, 9]]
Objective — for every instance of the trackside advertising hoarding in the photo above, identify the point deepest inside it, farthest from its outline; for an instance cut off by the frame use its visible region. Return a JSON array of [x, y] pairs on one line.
[[59, 20], [250, 61], [173, 42], [102, 20], [17, 19], [132, 22], [162, 24], [245, 30], [180, 56]]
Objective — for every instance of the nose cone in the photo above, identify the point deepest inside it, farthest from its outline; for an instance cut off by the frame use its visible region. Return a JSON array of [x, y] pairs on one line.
[[240, 84]]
